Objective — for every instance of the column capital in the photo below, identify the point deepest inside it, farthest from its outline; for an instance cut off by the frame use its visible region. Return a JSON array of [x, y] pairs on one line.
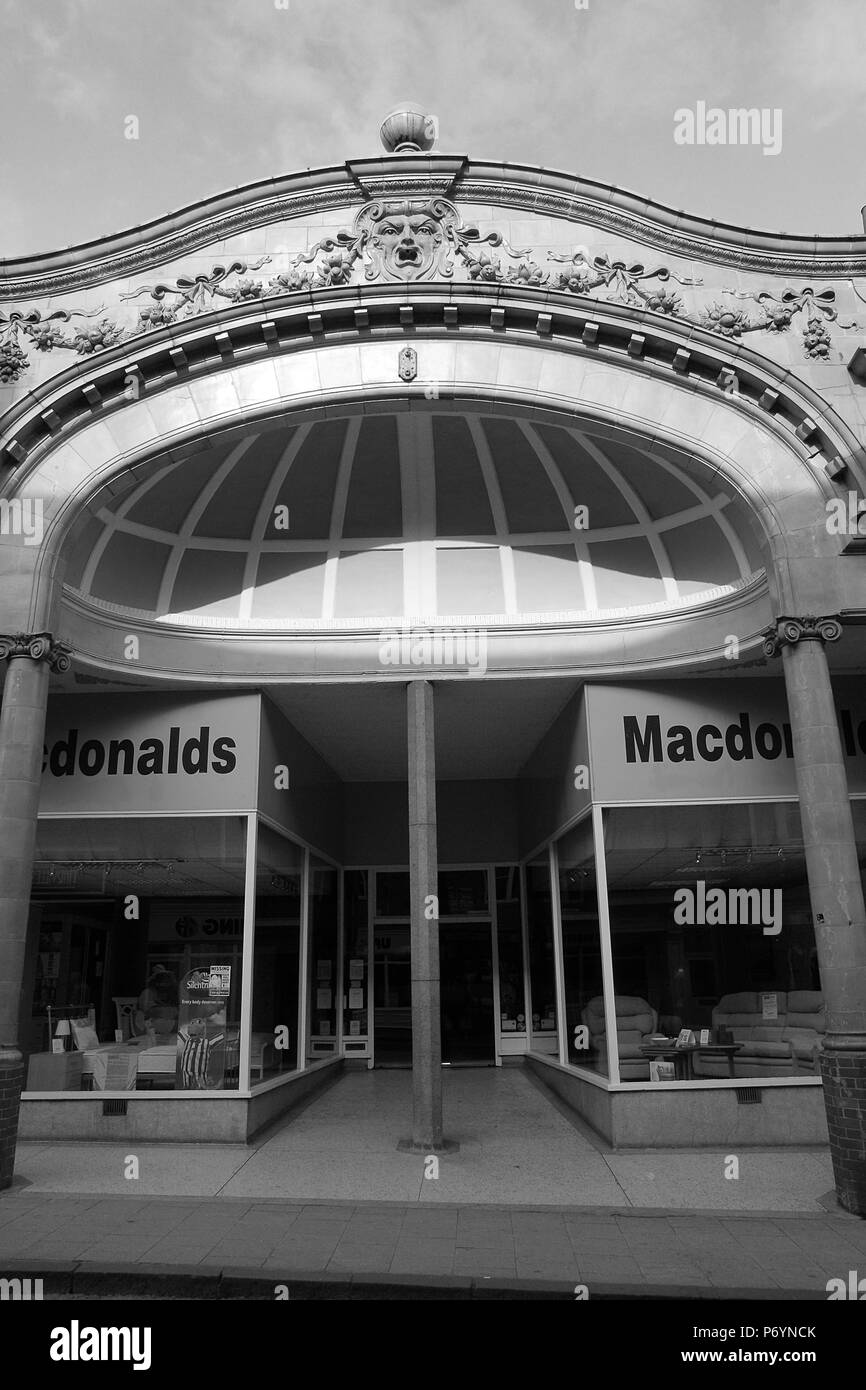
[[788, 631], [38, 646]]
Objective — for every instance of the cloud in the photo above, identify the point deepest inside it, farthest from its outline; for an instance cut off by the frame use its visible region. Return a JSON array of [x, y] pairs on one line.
[[232, 91]]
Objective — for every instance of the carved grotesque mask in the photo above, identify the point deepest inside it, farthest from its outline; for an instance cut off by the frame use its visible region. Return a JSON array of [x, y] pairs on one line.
[[406, 242]]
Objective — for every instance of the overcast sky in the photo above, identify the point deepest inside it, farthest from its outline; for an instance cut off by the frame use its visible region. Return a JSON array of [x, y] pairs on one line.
[[230, 91]]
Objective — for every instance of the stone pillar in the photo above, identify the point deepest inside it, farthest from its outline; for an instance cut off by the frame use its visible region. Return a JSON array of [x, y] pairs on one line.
[[22, 729], [424, 933], [835, 889]]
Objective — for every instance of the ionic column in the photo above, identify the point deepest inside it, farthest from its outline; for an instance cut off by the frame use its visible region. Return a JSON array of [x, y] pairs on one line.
[[424, 931], [22, 728], [835, 889]]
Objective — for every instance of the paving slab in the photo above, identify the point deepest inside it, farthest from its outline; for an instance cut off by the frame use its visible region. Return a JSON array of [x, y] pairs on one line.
[[163, 1169]]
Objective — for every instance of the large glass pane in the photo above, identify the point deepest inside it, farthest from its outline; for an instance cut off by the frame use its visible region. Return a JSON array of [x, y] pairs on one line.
[[392, 973], [712, 942], [137, 926], [274, 1033], [392, 994], [581, 949], [512, 1001], [392, 893], [324, 955], [858, 812], [462, 892], [542, 973], [355, 962], [466, 993]]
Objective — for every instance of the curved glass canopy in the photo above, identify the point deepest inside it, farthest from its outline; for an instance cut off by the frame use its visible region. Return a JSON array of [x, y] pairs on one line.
[[416, 514]]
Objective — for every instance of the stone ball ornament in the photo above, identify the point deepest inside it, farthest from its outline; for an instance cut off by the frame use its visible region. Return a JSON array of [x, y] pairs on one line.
[[408, 129]]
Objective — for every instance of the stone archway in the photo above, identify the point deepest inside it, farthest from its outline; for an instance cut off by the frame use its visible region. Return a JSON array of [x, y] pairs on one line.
[[764, 441], [777, 466]]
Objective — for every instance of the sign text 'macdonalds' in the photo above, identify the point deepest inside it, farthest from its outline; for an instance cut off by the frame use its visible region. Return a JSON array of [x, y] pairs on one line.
[[646, 742]]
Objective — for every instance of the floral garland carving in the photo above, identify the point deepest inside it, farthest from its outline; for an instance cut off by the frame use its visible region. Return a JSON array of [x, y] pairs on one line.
[[188, 296], [405, 240], [45, 334], [196, 294], [776, 316]]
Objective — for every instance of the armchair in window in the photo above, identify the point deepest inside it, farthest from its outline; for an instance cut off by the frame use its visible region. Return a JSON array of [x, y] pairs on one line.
[[636, 1020], [805, 1025], [261, 1044]]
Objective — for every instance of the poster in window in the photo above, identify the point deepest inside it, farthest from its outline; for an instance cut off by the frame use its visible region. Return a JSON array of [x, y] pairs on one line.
[[201, 1027], [769, 1007]]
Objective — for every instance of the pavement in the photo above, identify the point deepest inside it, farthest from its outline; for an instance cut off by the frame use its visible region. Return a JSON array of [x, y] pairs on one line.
[[531, 1203]]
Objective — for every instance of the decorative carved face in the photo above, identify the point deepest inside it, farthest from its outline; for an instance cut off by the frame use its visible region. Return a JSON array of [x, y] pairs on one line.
[[407, 244]]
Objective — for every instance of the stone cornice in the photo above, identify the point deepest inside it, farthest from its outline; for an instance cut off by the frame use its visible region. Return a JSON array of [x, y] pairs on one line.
[[521, 188], [38, 646], [787, 632]]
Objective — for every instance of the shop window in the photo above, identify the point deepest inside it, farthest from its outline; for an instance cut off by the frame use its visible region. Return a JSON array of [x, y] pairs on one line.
[[858, 812], [586, 1031], [136, 970], [324, 951], [542, 974], [392, 893], [274, 1031], [712, 943], [509, 935], [462, 892], [355, 961]]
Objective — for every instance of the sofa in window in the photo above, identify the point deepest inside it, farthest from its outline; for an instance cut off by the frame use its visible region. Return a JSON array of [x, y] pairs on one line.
[[636, 1020], [787, 1045], [804, 1029]]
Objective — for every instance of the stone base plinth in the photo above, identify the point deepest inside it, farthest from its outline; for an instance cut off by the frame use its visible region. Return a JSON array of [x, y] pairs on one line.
[[844, 1076], [11, 1082], [445, 1146]]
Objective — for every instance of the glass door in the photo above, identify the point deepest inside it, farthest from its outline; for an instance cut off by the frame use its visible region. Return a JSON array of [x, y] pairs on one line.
[[392, 975], [392, 995], [466, 975]]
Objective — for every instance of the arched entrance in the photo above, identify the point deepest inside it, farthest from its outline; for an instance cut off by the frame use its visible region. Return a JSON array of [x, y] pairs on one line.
[[419, 519]]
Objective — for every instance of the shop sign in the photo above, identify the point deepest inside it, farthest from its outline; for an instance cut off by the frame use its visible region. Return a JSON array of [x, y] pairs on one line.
[[150, 753], [708, 740]]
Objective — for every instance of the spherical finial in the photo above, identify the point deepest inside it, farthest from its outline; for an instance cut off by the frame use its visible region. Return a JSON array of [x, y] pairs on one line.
[[408, 129]]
